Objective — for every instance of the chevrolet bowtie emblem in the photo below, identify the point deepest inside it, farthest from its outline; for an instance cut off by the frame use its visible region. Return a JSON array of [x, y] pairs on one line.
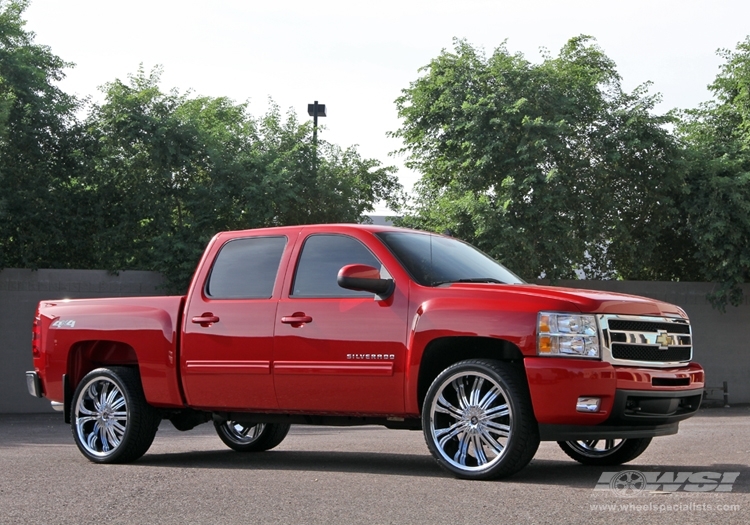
[[663, 340]]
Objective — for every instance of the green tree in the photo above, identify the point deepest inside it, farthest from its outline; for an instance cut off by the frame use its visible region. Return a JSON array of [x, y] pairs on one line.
[[39, 145], [717, 137], [342, 187], [168, 171], [549, 167]]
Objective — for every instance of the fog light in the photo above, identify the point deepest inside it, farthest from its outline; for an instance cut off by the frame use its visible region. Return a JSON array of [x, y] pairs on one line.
[[588, 404]]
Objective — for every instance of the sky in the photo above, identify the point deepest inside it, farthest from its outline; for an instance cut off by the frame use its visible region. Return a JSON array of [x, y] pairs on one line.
[[356, 56]]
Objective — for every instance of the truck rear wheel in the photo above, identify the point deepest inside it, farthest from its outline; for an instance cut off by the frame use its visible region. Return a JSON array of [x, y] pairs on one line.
[[602, 452], [111, 420], [251, 438], [478, 420]]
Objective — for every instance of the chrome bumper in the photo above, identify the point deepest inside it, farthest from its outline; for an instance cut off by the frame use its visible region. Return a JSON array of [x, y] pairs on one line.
[[35, 389], [33, 384]]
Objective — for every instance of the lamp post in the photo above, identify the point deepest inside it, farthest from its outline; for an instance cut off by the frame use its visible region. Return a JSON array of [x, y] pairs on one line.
[[315, 110]]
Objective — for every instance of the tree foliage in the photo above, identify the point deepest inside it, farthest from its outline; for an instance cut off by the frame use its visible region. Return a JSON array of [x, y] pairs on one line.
[[38, 144], [550, 167], [169, 171], [717, 135], [147, 177], [556, 170]]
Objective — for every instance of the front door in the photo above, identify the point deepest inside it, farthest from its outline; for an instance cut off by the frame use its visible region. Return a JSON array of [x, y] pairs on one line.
[[337, 350]]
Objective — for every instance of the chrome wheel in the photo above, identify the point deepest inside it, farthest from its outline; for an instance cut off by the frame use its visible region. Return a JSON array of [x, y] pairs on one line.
[[251, 437], [101, 416], [596, 448], [471, 421], [243, 434], [110, 418], [602, 452], [478, 421]]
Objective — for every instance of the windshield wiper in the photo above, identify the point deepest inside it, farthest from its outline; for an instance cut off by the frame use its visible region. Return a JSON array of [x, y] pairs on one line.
[[471, 280]]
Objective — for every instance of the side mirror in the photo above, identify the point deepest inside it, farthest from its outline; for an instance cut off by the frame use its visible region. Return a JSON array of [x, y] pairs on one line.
[[365, 278]]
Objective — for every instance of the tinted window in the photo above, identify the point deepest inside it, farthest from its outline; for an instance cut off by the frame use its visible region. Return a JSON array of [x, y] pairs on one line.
[[246, 268], [322, 258], [432, 259]]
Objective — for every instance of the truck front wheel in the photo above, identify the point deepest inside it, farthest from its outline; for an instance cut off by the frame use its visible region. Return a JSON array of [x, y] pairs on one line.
[[478, 420], [602, 452], [111, 420], [251, 438]]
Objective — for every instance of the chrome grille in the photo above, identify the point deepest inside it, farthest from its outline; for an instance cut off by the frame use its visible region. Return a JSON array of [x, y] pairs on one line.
[[645, 341], [647, 326], [643, 353]]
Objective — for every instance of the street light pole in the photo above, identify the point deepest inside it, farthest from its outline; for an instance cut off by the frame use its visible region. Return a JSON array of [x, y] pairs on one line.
[[315, 110]]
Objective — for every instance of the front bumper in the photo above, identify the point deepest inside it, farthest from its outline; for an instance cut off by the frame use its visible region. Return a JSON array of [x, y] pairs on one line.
[[635, 402], [635, 414]]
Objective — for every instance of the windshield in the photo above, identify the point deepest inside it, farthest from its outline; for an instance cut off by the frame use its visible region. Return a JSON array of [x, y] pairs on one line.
[[432, 260]]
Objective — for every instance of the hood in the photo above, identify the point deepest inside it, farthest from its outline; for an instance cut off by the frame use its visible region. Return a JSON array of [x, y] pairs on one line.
[[587, 301]]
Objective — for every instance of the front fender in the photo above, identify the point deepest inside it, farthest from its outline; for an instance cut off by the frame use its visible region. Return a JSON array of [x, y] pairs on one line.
[[508, 318]]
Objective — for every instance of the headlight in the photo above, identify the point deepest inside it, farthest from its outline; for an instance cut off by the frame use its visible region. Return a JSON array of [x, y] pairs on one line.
[[567, 335]]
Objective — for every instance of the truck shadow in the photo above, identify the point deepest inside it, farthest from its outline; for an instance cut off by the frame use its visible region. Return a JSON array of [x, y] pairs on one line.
[[303, 461], [48, 435], [538, 472]]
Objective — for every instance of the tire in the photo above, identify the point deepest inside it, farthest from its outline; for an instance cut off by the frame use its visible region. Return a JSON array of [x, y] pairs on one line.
[[251, 438], [603, 452], [110, 418], [478, 420]]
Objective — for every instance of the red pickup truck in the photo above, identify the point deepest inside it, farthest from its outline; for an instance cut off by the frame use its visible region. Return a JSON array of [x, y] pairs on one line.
[[360, 325]]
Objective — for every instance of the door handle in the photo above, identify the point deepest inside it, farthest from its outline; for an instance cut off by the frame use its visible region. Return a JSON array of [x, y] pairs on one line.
[[297, 319], [206, 319]]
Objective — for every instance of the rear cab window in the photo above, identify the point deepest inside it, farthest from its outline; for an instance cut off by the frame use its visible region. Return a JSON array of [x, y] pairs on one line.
[[246, 268]]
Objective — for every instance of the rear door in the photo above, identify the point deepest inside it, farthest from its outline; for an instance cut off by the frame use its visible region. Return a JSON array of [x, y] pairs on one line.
[[227, 347]]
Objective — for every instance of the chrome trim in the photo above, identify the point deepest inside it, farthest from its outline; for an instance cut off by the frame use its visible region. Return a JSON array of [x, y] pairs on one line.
[[57, 407], [33, 384], [658, 339], [588, 404]]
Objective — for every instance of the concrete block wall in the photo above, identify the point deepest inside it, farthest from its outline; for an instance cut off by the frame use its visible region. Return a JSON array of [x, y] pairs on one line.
[[21, 291], [719, 338]]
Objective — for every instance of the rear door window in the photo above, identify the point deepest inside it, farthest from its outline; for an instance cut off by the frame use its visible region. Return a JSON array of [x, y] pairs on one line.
[[246, 268]]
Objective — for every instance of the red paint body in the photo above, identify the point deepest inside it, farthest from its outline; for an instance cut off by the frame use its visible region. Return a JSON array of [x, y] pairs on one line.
[[338, 356]]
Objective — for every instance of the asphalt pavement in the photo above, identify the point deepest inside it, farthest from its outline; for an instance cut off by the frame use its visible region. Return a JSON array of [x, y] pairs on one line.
[[331, 475]]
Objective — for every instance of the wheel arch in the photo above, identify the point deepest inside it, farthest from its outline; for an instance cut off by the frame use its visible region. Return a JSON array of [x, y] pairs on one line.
[[443, 352], [85, 356]]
